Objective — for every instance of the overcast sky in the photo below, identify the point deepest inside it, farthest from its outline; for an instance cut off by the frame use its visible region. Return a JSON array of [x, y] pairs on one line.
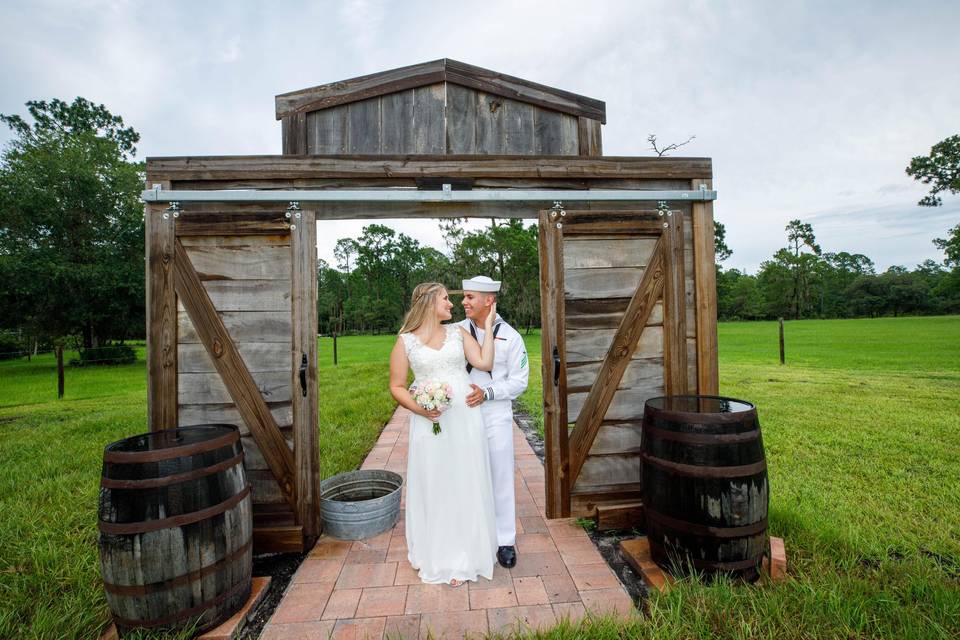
[[810, 110]]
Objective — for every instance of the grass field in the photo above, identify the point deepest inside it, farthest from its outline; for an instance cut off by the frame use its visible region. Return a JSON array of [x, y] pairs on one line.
[[862, 434]]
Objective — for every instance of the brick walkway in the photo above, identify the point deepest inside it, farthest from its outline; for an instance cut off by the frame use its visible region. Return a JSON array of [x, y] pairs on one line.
[[368, 589]]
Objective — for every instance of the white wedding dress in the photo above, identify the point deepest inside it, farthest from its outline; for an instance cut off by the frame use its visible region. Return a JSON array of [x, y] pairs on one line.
[[450, 523]]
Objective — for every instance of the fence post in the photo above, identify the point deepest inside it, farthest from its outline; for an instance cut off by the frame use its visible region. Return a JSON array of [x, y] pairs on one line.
[[59, 371], [334, 347], [782, 359]]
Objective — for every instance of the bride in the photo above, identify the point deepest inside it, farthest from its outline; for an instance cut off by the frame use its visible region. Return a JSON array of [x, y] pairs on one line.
[[450, 524]]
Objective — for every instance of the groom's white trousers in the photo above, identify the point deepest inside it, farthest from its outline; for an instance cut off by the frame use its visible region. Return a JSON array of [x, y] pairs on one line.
[[498, 421]]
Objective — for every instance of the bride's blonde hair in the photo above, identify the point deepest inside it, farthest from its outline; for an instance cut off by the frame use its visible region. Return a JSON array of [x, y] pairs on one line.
[[422, 303]]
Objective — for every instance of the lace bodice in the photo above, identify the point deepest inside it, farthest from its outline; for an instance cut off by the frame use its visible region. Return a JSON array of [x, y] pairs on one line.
[[446, 363]]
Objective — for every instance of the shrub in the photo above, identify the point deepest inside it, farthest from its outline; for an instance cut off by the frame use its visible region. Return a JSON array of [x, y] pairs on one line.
[[10, 346], [109, 354]]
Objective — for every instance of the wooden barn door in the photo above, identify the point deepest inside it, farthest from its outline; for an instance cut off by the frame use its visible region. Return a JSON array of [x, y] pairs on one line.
[[244, 285], [613, 318]]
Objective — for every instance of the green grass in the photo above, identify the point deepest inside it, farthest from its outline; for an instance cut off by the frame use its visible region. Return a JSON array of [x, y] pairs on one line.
[[50, 457], [862, 434]]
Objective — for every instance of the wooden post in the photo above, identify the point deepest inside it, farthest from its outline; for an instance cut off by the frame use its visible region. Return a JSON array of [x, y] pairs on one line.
[[334, 347], [161, 316], [59, 371], [782, 359], [705, 282]]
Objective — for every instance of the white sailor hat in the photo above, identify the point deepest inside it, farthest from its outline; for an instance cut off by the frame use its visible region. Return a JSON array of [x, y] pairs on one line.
[[481, 283]]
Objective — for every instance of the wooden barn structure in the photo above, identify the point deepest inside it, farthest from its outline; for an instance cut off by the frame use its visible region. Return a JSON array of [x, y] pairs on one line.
[[626, 255]]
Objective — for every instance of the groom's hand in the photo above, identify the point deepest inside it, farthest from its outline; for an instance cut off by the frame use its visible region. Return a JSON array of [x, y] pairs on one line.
[[475, 398]]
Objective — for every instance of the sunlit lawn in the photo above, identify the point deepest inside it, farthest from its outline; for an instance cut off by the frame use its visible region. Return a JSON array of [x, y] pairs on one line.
[[862, 434]]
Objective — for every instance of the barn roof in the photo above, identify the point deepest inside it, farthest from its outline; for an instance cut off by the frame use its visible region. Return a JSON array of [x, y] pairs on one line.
[[427, 73]]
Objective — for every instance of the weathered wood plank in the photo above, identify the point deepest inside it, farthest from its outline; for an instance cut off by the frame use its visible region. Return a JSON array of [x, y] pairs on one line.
[[397, 122], [294, 134], [553, 340], [588, 252], [615, 282], [547, 132], [674, 309], [227, 413], [364, 126], [252, 261], [244, 326], [490, 123], [200, 388], [708, 378], [249, 295], [569, 135], [623, 345], [259, 356], [608, 470], [591, 345], [233, 372], [639, 372], [161, 317], [334, 166], [692, 363], [590, 137], [304, 368], [461, 119], [603, 313], [518, 128], [253, 458], [618, 437], [428, 114], [280, 539], [328, 131]]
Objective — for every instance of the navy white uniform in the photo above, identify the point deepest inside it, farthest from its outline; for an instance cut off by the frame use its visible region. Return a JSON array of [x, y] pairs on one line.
[[507, 381]]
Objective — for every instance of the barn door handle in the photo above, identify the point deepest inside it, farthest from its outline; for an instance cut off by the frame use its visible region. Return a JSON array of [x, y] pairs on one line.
[[556, 367], [303, 375]]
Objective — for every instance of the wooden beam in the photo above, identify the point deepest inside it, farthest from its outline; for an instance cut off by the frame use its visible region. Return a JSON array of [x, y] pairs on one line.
[[674, 308], [618, 356], [399, 166], [281, 539], [625, 515], [304, 352], [234, 373], [705, 280], [161, 316], [552, 337]]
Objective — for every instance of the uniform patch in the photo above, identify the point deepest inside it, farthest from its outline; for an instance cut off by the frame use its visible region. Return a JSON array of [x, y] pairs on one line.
[[523, 361]]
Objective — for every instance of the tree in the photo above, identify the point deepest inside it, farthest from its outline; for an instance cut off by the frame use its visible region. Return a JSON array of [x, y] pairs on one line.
[[941, 169], [720, 247], [950, 246], [71, 224]]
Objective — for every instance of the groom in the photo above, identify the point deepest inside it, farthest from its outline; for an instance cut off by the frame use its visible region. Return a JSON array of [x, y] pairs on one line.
[[493, 392]]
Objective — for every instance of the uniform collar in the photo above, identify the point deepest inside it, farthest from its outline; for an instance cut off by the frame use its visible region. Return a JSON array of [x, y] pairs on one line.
[[496, 321]]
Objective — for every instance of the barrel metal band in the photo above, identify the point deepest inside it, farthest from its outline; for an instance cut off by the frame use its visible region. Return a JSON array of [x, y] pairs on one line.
[[698, 471], [187, 578], [731, 565], [163, 481], [187, 613], [127, 457], [175, 521], [706, 530], [702, 438]]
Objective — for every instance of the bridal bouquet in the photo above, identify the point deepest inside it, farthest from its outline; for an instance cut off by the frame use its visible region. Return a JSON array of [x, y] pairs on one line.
[[432, 395]]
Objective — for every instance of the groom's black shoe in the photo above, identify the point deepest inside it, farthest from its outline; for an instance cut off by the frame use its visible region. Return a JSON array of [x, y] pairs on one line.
[[507, 556]]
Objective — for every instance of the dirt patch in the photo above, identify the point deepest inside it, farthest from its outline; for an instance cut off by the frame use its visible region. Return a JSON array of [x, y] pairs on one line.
[[606, 541]]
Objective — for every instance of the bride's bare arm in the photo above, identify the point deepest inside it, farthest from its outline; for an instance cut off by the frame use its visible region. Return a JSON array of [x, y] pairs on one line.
[[480, 357], [399, 365]]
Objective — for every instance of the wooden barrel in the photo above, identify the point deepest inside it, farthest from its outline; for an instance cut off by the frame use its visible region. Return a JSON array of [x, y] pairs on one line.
[[175, 528], [705, 489]]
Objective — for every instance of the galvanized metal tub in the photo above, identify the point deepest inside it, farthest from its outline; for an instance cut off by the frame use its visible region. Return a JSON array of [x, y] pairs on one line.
[[360, 504]]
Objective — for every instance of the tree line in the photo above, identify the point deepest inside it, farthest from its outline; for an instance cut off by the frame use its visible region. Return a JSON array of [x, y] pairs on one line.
[[72, 262]]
